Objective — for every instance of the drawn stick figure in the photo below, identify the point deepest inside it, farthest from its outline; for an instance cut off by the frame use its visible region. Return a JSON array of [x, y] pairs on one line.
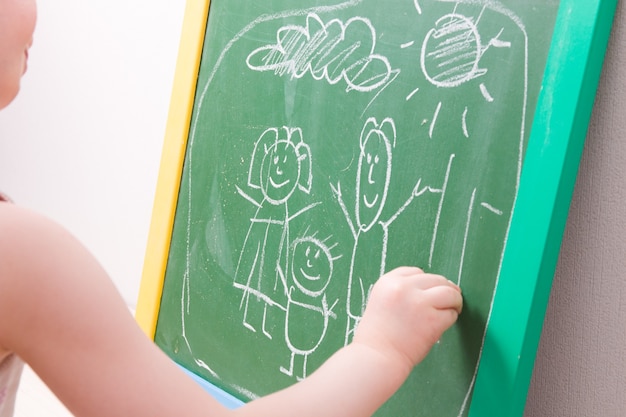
[[311, 271], [372, 185], [280, 165]]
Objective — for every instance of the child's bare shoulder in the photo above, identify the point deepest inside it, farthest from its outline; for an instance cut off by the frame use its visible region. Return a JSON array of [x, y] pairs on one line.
[[19, 225], [26, 240]]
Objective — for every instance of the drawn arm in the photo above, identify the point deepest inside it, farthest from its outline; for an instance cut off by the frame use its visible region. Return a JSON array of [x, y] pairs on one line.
[[344, 381], [416, 193], [141, 370], [344, 209], [324, 310], [247, 197], [283, 280], [307, 208], [328, 312]]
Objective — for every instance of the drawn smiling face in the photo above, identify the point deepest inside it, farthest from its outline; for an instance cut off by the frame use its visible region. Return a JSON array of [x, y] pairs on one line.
[[312, 266], [280, 172], [373, 176]]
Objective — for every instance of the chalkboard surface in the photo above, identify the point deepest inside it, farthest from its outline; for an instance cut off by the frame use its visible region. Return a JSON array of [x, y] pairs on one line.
[[331, 142]]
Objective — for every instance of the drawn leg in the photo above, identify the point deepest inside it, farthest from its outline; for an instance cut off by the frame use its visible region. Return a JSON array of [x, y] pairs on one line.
[[265, 332], [355, 319], [245, 311], [245, 299], [349, 295], [288, 372], [346, 340], [304, 360]]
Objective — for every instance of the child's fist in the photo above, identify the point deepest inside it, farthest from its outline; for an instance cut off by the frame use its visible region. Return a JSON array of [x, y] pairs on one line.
[[407, 312]]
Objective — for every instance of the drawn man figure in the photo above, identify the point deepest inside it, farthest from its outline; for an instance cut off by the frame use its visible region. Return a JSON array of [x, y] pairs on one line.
[[368, 230], [280, 165], [311, 271]]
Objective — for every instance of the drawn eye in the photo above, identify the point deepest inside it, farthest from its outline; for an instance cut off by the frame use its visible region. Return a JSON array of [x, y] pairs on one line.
[[369, 158], [276, 160], [285, 159], [317, 254], [377, 159], [307, 252]]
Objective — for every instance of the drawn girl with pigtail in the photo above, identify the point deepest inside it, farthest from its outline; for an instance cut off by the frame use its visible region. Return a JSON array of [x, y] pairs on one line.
[[280, 166]]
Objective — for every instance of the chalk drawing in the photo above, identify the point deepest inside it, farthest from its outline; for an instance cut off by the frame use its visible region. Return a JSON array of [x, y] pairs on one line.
[[277, 280], [451, 52], [372, 185], [485, 93], [311, 271], [464, 123], [450, 56], [434, 121], [470, 213], [441, 191], [332, 51], [280, 165], [194, 136], [417, 6]]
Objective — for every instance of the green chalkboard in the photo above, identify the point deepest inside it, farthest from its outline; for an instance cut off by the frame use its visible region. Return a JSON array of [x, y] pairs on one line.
[[331, 142]]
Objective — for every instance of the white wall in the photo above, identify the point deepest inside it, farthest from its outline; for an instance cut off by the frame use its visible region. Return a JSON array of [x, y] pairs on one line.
[[82, 142]]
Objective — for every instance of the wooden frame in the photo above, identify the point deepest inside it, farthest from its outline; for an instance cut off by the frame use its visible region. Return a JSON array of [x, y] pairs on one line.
[[548, 176]]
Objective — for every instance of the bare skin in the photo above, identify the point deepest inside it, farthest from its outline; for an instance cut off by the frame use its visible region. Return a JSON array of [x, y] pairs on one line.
[[60, 313]]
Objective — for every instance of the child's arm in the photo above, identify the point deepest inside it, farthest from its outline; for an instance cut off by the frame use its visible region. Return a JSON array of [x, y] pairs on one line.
[[62, 315], [407, 313]]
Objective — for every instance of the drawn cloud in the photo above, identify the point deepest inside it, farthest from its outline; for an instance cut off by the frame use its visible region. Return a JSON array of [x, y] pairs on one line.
[[332, 51]]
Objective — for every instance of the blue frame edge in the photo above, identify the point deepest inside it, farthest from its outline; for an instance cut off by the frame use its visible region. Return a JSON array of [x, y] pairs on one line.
[[219, 394]]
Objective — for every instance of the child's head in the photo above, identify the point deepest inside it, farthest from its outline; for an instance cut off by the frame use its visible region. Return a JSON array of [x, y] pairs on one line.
[[17, 24]]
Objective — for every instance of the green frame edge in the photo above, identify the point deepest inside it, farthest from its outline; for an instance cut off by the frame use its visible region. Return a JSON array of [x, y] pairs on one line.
[[549, 173]]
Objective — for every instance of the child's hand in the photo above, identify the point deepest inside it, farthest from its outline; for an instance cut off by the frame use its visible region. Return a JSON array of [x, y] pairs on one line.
[[407, 312]]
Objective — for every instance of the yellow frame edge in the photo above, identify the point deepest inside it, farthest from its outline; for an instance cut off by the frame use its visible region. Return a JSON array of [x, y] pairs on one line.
[[171, 166]]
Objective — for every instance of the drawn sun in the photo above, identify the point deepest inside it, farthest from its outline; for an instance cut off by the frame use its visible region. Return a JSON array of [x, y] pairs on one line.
[[450, 56]]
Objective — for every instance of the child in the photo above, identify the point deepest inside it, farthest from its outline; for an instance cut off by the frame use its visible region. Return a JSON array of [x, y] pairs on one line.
[[61, 314]]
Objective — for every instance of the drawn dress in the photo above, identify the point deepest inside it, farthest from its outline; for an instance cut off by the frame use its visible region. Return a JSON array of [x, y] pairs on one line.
[[280, 166]]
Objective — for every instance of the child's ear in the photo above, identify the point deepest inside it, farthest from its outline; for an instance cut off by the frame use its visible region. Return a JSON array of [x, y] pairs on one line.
[[388, 128], [306, 173], [303, 152], [370, 124], [261, 148]]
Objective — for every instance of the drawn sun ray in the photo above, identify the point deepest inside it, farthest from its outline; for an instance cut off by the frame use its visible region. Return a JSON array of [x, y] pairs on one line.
[[492, 208], [456, 6], [450, 56], [412, 94], [434, 121], [481, 14], [485, 93], [417, 6], [464, 123]]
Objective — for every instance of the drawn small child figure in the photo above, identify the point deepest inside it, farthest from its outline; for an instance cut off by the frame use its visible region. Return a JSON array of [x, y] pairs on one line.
[[311, 271]]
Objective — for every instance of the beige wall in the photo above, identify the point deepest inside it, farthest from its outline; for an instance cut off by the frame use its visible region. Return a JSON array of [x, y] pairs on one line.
[[581, 362]]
